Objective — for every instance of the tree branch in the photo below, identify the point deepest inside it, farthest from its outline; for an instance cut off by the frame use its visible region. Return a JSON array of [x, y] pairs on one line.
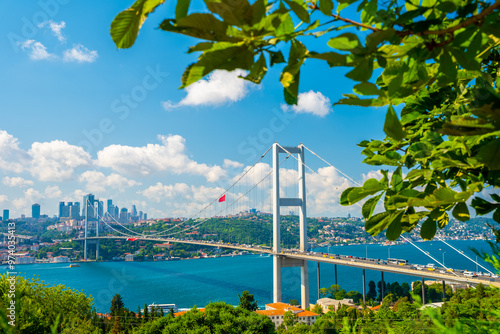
[[473, 20]]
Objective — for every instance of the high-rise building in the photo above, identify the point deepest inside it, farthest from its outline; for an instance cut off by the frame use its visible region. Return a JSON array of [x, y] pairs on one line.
[[140, 215], [100, 208], [74, 210], [145, 216], [133, 212], [123, 216], [5, 214], [110, 208], [117, 212], [89, 207], [61, 208], [35, 210]]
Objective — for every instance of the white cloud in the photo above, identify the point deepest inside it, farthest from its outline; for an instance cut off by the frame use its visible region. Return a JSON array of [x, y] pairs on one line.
[[31, 196], [36, 50], [98, 182], [169, 156], [56, 160], [53, 192], [232, 164], [3, 198], [16, 182], [79, 54], [183, 200], [56, 28], [12, 158], [311, 103], [219, 88]]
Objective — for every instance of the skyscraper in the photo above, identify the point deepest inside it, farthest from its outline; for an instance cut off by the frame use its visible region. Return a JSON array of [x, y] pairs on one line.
[[89, 207], [123, 216], [110, 208], [134, 211], [74, 210], [61, 209], [100, 208], [35, 210], [5, 214]]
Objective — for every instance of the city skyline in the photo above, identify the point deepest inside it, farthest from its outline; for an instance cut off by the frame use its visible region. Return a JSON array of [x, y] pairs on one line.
[[79, 116]]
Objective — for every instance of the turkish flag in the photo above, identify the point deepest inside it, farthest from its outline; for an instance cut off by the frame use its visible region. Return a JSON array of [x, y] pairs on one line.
[[223, 198], [131, 239]]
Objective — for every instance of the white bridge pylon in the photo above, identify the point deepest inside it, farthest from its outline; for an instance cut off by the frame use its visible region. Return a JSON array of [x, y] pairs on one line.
[[280, 261]]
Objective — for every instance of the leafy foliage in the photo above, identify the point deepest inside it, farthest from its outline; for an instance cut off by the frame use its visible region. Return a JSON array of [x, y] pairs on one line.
[[440, 58]]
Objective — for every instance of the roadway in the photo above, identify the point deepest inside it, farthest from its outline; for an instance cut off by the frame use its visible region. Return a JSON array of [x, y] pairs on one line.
[[370, 264]]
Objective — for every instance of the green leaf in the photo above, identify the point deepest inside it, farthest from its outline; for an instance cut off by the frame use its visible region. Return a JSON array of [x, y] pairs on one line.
[[369, 206], [496, 215], [276, 57], [258, 70], [447, 68], [394, 229], [482, 206], [200, 25], [397, 179], [332, 58], [495, 197], [378, 223], [489, 154], [181, 9], [445, 195], [428, 229], [326, 7], [366, 88], [443, 220], [346, 42], [461, 212], [392, 126], [447, 6], [126, 25], [362, 71], [238, 13], [300, 11]]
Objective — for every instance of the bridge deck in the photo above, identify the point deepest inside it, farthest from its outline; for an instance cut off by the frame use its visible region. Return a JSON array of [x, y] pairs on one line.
[[319, 257]]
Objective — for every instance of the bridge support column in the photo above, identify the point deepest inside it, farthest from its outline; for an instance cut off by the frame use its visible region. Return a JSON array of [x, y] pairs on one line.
[[335, 274], [276, 279], [300, 201], [304, 284], [319, 286], [85, 249], [382, 285], [364, 288], [444, 290], [97, 250], [423, 291]]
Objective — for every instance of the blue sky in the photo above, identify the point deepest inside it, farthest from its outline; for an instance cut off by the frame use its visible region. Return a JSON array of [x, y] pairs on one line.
[[77, 116]]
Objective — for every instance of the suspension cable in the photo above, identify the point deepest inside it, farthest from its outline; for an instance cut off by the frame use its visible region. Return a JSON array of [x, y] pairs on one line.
[[461, 252]]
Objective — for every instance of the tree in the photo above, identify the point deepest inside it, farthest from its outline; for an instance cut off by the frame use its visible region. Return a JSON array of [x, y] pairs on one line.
[[290, 319], [372, 292], [440, 58], [247, 301], [293, 302], [116, 305]]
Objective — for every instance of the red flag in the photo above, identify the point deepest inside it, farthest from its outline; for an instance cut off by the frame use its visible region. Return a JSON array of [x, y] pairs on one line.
[[223, 198], [131, 239]]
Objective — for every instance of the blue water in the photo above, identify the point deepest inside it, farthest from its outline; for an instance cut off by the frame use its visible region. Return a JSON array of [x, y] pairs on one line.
[[198, 282]]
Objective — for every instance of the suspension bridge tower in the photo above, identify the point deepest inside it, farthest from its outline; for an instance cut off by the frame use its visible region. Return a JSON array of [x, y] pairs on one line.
[[280, 261]]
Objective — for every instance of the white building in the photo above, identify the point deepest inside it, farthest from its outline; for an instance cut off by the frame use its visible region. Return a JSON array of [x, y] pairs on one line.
[[327, 303], [129, 257], [276, 311], [25, 260], [60, 259]]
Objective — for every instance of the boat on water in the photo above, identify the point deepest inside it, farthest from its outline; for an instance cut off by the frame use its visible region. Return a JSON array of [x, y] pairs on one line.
[[165, 307], [74, 265]]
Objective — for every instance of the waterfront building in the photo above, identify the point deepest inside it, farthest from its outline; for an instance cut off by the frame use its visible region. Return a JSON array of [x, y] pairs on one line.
[[35, 211], [25, 260], [276, 312], [329, 303], [60, 259]]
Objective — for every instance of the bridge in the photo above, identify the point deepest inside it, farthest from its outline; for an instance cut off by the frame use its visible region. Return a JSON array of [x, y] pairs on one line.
[[291, 257]]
